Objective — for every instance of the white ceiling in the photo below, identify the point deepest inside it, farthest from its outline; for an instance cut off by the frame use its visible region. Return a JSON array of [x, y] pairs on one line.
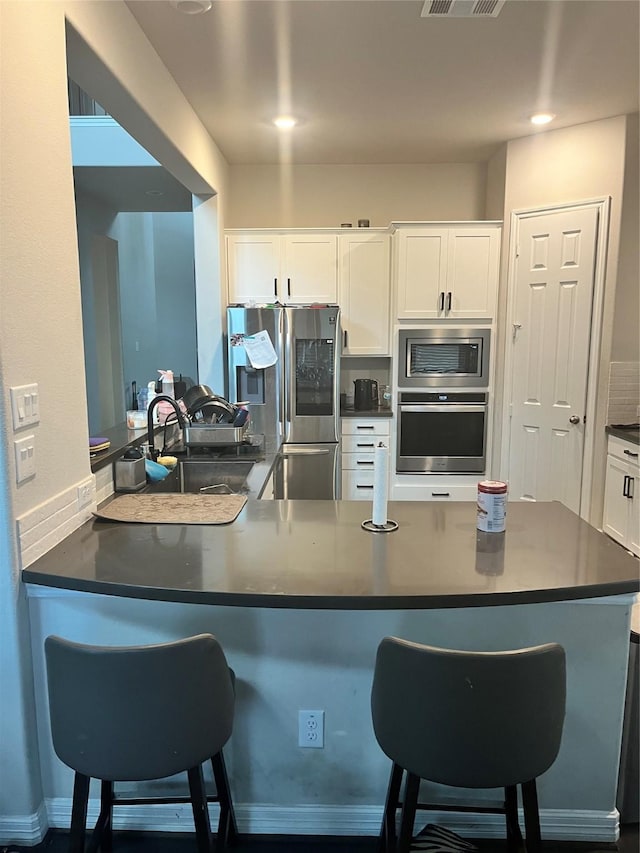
[[374, 82]]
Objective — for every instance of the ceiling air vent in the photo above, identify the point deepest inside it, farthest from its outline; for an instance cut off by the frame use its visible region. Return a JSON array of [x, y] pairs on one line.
[[461, 8]]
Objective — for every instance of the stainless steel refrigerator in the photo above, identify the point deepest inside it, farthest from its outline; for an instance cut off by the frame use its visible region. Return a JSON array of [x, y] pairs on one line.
[[295, 403]]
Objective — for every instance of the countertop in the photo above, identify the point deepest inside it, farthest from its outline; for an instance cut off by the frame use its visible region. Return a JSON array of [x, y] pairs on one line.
[[631, 435], [315, 554], [366, 413]]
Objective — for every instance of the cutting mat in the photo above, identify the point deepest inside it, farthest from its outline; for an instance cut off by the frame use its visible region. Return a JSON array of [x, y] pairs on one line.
[[173, 509]]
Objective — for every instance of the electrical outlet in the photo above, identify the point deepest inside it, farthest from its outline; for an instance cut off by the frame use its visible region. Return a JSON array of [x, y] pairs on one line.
[[84, 495], [311, 729]]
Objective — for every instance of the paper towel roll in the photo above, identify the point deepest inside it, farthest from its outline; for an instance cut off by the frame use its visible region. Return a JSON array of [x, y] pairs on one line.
[[380, 478]]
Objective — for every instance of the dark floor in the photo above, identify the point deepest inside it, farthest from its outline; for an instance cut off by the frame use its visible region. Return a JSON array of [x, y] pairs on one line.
[[56, 842]]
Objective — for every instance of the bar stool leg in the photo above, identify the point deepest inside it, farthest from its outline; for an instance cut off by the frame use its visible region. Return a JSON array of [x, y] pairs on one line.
[[387, 838], [533, 838], [409, 805], [514, 836], [79, 813], [106, 810], [200, 809], [227, 826]]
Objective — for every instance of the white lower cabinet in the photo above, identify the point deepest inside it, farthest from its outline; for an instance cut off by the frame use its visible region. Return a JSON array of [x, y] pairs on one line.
[[621, 518], [359, 439]]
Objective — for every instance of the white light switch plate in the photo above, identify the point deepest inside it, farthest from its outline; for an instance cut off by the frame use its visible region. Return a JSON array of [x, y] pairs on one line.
[[25, 450], [25, 405]]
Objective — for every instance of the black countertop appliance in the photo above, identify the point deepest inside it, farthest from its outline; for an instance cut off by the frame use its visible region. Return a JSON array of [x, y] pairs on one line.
[[365, 395]]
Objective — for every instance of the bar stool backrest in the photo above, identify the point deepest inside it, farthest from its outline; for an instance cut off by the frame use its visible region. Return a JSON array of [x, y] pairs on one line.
[[469, 719], [138, 712]]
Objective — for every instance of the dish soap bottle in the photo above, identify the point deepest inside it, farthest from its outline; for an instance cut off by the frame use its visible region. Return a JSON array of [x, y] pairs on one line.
[[167, 382]]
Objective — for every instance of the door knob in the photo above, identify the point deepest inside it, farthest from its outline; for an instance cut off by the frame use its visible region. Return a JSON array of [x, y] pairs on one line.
[[574, 419]]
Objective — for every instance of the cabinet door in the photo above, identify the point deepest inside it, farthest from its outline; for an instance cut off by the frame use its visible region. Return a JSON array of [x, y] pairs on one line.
[[357, 485], [310, 269], [472, 272], [421, 273], [616, 506], [364, 293], [253, 265]]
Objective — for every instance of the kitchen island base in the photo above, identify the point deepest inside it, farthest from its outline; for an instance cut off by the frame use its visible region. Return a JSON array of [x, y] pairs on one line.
[[289, 659]]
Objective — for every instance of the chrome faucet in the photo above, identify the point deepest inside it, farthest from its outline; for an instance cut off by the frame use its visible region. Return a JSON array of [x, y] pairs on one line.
[[181, 420]]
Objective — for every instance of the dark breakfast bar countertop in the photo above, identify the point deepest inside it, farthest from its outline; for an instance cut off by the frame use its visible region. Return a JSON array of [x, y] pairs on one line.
[[314, 554]]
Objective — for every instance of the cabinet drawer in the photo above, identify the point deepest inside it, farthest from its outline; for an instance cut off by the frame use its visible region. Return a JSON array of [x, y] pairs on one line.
[[358, 461], [626, 451], [364, 427], [357, 485], [430, 492], [363, 443]]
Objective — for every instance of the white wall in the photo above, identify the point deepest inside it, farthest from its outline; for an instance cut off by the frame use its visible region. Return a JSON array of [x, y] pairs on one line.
[[40, 307], [326, 196], [625, 345]]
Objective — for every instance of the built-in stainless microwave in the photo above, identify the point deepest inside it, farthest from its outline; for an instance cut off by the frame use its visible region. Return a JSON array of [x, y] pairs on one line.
[[444, 357]]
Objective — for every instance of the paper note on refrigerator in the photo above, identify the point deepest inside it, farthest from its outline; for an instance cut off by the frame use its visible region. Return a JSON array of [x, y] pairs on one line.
[[259, 349]]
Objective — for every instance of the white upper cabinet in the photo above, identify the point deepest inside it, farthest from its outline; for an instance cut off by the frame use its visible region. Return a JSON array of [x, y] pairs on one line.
[[294, 268], [310, 268], [253, 267], [447, 272], [364, 293]]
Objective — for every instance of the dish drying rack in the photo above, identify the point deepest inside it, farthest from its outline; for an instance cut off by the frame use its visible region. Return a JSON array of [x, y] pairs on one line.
[[213, 435]]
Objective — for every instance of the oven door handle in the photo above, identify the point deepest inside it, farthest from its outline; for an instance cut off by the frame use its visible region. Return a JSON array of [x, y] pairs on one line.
[[463, 407]]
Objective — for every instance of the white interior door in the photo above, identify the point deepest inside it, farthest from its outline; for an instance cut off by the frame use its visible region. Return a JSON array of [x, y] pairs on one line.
[[551, 313]]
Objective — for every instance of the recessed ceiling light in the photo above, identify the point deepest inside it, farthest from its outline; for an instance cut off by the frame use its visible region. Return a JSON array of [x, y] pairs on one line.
[[285, 122], [542, 118], [191, 7]]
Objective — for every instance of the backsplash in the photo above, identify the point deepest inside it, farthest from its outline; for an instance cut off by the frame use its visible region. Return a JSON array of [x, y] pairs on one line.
[[361, 367], [624, 392]]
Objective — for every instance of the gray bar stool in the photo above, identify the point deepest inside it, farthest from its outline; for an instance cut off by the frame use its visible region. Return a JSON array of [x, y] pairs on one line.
[[138, 713], [469, 720]]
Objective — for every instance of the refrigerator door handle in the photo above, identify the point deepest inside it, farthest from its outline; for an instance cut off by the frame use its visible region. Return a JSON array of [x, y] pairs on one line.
[[283, 348]]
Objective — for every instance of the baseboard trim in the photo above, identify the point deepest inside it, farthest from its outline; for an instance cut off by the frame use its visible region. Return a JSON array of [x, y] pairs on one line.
[[256, 819], [27, 830]]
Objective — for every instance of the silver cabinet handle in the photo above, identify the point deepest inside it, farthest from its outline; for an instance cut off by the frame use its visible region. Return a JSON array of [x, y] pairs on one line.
[[574, 419], [360, 444], [369, 426], [358, 486], [359, 462], [275, 287], [440, 494], [441, 300], [288, 287], [449, 301]]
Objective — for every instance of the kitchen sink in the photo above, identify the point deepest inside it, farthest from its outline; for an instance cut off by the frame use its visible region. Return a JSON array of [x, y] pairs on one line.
[[208, 477]]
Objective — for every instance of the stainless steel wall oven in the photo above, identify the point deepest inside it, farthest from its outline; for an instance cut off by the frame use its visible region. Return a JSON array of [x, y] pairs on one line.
[[443, 357], [441, 432]]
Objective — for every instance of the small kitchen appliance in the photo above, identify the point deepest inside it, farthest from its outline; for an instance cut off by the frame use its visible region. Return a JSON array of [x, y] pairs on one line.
[[365, 395]]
